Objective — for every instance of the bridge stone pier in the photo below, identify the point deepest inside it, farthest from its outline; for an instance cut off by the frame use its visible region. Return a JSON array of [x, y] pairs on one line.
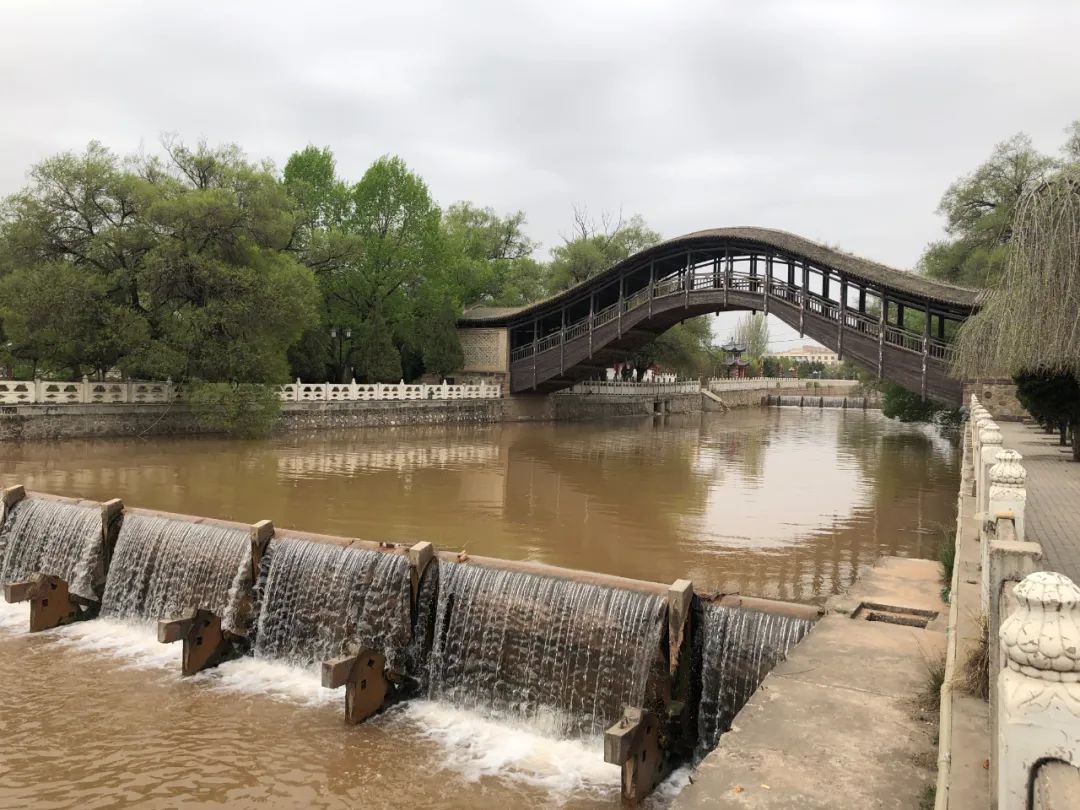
[[895, 323]]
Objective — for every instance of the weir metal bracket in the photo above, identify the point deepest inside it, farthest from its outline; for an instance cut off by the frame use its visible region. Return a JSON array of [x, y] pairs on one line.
[[363, 676], [51, 604], [205, 644], [634, 744]]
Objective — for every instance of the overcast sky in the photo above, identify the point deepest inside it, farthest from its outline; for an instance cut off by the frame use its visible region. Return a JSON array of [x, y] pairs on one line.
[[840, 121]]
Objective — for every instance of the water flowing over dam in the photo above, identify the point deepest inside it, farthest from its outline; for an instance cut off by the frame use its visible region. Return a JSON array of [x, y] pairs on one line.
[[54, 537], [515, 695], [566, 655], [163, 566], [740, 648], [320, 600]]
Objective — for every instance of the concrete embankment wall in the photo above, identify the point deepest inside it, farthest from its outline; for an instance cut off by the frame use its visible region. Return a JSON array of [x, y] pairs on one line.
[[44, 422], [38, 422]]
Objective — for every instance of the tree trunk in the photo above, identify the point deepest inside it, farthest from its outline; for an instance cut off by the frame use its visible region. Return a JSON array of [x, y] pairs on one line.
[[1063, 440], [1075, 439]]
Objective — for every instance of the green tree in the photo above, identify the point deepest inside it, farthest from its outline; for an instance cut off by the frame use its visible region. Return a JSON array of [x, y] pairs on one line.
[[752, 331], [179, 258], [978, 210], [376, 357], [62, 320], [593, 248], [684, 349], [1027, 326], [491, 257]]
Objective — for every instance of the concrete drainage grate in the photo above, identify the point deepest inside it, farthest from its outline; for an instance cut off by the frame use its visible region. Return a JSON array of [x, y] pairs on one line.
[[911, 617]]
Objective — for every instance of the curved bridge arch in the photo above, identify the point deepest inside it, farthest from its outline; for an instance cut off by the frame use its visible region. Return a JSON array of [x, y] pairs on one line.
[[863, 310]]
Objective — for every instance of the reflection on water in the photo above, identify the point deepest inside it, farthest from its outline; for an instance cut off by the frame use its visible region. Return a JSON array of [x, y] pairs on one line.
[[778, 502]]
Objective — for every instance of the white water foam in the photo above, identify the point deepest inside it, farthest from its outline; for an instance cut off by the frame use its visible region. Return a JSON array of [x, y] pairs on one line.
[[477, 747], [14, 618], [134, 644], [274, 679]]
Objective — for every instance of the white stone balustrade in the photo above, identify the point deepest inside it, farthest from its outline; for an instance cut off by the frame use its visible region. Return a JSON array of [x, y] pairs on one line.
[[719, 384], [384, 392], [1006, 498], [87, 392], [1038, 690], [620, 388]]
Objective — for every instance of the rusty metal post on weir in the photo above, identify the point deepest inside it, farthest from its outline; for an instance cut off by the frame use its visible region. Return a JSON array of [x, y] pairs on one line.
[[364, 677]]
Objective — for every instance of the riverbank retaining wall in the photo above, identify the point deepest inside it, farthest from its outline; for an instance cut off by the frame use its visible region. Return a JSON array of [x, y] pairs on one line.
[[48, 422]]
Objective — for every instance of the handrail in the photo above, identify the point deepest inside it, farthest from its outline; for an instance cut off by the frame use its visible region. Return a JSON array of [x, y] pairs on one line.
[[742, 281]]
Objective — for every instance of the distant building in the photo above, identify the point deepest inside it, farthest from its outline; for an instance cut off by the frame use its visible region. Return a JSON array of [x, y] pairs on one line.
[[807, 354]]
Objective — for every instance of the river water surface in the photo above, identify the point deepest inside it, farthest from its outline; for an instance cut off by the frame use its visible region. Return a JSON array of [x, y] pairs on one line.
[[782, 502]]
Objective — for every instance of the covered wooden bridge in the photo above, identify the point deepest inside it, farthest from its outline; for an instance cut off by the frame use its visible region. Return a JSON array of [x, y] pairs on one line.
[[895, 323]]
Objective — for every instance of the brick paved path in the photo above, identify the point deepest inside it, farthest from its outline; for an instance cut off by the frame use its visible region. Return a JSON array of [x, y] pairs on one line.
[[1052, 514]]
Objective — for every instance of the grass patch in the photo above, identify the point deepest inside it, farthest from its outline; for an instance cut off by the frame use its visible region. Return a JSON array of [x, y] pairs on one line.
[[947, 558], [929, 698], [974, 676], [928, 798]]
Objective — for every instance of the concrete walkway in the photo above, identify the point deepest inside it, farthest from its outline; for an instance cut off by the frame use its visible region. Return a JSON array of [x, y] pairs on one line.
[[1052, 514], [837, 725]]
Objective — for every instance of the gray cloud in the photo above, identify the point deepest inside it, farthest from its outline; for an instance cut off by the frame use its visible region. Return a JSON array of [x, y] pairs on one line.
[[842, 121]]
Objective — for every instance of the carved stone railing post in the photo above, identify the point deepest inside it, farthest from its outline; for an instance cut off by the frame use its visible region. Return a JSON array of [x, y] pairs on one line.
[[989, 447], [1006, 499], [1039, 690]]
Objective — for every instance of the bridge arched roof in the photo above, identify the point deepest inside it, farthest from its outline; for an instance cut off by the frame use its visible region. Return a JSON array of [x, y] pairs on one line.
[[785, 245]]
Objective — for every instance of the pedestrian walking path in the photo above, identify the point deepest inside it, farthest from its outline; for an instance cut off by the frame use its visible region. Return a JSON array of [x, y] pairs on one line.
[[1052, 513]]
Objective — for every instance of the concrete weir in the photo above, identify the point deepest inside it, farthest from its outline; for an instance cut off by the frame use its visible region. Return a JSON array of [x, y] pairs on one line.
[[659, 666]]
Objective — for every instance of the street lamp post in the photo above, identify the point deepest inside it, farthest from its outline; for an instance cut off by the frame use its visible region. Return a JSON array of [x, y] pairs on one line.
[[341, 334]]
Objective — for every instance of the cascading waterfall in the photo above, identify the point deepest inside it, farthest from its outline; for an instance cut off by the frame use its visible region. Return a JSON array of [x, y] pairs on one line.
[[321, 601], [162, 567], [739, 649], [557, 653], [43, 536]]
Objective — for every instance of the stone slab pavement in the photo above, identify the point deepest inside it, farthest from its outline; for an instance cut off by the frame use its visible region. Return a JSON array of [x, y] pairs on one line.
[[1052, 514]]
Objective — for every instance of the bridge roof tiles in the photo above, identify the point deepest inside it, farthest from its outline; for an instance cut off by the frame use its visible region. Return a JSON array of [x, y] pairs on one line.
[[788, 244]]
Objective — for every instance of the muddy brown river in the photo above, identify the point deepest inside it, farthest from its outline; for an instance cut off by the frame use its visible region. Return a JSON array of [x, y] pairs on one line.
[[781, 502]]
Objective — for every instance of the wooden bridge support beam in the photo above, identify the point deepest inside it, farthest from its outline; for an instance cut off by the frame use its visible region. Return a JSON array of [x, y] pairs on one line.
[[843, 318], [364, 677], [883, 321]]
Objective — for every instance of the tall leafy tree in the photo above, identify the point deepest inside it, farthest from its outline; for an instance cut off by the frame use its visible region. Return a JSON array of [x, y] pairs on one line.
[[979, 209], [492, 257], [752, 331], [178, 259], [1028, 325], [593, 247]]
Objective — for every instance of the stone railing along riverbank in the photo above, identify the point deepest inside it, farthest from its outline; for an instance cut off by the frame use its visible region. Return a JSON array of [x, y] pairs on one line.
[[1033, 618], [719, 384], [87, 392], [620, 388]]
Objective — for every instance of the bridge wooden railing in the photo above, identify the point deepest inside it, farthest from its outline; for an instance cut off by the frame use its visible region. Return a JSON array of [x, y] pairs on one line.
[[743, 281]]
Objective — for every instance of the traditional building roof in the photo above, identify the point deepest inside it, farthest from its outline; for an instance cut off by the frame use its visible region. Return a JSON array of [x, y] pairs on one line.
[[781, 242]]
